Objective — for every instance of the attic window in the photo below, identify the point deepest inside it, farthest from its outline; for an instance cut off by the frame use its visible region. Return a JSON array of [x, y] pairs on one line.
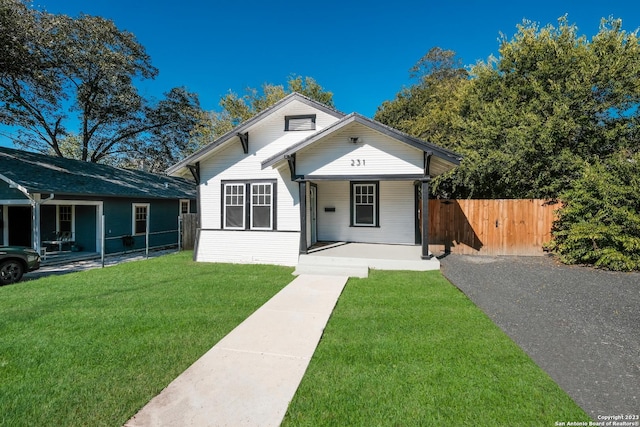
[[306, 122]]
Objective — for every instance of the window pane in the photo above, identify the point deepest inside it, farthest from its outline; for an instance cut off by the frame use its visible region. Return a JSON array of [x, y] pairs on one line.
[[261, 206], [234, 206], [364, 214], [234, 217], [65, 218], [141, 227], [140, 218], [364, 204], [261, 217]]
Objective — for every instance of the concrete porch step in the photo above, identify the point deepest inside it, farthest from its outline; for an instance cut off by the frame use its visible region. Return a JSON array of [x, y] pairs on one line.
[[332, 266]]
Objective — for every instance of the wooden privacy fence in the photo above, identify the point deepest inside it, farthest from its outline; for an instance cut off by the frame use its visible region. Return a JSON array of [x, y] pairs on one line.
[[490, 227], [189, 229]]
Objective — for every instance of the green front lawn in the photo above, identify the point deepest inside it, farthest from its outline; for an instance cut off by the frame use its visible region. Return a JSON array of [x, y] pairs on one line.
[[409, 349], [401, 348], [92, 348]]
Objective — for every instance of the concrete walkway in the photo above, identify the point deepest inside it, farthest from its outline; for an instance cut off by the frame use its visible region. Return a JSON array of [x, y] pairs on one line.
[[251, 375]]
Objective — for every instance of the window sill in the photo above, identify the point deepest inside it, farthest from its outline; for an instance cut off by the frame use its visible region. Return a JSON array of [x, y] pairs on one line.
[[247, 229]]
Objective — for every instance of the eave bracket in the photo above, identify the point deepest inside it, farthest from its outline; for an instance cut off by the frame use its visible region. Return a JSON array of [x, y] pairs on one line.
[[195, 171], [427, 162], [244, 140], [291, 160]]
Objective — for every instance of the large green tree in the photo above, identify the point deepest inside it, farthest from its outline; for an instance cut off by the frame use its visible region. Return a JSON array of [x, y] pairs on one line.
[[80, 82], [236, 109], [430, 108], [15, 43], [528, 120], [552, 101]]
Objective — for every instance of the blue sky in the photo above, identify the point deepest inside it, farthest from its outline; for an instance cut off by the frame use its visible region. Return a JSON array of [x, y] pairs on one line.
[[359, 50]]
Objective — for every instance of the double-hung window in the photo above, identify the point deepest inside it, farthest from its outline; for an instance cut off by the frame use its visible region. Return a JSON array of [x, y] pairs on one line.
[[364, 204], [249, 205], [65, 218], [185, 206], [261, 206], [140, 218], [234, 203]]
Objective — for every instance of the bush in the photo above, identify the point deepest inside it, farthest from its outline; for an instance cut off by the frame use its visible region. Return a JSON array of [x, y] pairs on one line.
[[599, 223]]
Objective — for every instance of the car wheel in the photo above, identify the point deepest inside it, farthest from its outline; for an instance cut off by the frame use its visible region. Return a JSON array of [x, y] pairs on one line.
[[10, 272]]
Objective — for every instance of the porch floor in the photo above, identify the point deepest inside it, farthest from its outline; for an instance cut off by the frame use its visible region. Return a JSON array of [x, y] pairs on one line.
[[355, 259]]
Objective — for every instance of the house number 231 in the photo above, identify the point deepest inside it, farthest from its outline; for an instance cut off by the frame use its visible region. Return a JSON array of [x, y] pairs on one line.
[[357, 162]]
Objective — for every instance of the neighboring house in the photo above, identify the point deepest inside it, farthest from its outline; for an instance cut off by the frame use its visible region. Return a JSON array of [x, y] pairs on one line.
[[56, 202], [299, 173]]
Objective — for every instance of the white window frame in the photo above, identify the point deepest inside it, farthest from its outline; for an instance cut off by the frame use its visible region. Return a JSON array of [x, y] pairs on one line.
[[356, 203], [183, 203], [71, 220], [261, 202], [134, 218], [241, 185]]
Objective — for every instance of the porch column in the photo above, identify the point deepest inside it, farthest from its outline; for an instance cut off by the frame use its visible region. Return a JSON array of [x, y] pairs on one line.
[[302, 185], [425, 220], [35, 221]]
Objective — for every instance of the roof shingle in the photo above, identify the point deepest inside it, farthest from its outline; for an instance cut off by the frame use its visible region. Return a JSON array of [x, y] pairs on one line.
[[39, 173]]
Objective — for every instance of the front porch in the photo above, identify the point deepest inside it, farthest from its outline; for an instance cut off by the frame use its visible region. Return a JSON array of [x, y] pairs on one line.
[[50, 258], [355, 259]]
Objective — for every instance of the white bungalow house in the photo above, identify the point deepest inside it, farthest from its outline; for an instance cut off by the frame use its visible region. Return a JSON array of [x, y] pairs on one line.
[[299, 173]]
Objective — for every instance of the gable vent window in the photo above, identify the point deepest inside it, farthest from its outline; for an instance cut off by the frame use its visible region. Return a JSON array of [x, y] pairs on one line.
[[298, 123]]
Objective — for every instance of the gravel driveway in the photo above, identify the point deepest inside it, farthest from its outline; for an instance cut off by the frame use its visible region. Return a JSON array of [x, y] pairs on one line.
[[581, 325]]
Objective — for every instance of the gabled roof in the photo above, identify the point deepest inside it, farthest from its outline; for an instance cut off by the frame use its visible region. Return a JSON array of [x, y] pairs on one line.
[[195, 157], [39, 173], [443, 153]]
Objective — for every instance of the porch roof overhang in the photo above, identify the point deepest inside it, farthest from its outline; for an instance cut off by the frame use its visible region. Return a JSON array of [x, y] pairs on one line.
[[17, 186], [448, 158]]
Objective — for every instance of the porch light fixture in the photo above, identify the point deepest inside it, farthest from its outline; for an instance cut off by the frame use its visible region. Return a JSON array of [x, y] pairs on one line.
[[354, 139]]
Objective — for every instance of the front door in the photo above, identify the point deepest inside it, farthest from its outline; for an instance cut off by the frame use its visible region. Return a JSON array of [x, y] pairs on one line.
[[313, 212]]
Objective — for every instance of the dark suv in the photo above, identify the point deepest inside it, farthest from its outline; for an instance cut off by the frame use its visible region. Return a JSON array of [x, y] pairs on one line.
[[15, 261]]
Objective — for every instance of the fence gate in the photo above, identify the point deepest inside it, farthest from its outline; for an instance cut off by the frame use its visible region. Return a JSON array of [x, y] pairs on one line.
[[190, 226]]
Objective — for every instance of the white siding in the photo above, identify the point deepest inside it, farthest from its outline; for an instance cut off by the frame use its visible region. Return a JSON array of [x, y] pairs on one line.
[[374, 154], [229, 162], [287, 209], [248, 247], [265, 139], [397, 214]]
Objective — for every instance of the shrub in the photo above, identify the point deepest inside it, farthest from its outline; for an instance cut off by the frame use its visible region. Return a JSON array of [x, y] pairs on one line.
[[599, 223]]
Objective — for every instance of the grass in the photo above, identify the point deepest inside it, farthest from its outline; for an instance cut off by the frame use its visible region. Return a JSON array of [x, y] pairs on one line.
[[401, 348], [92, 348], [409, 349]]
